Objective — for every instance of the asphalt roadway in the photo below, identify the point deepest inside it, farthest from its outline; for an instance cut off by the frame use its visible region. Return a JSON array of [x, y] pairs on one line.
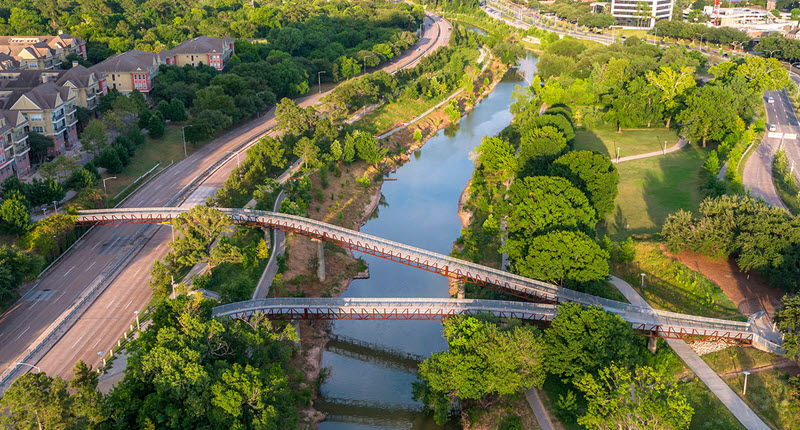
[[105, 320], [757, 175]]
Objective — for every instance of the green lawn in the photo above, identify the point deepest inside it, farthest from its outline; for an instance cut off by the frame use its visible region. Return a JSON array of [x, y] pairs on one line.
[[168, 148], [767, 391], [652, 188], [389, 115], [630, 142]]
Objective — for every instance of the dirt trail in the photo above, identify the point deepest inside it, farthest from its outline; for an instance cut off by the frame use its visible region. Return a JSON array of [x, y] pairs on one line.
[[748, 291]]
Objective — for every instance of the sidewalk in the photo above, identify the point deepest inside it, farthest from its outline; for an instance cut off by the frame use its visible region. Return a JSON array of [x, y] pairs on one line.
[[731, 400], [676, 147]]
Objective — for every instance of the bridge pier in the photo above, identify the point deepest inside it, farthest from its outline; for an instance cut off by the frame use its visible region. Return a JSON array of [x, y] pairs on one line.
[[320, 259], [652, 343]]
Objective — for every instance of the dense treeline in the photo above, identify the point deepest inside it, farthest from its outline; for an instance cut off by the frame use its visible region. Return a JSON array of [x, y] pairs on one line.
[[580, 13], [759, 237], [301, 28], [552, 205], [603, 375], [185, 370], [684, 30], [780, 47]]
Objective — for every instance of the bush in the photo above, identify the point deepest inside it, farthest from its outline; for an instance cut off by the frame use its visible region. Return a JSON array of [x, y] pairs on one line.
[[80, 179], [109, 158], [144, 118], [156, 126], [15, 216]]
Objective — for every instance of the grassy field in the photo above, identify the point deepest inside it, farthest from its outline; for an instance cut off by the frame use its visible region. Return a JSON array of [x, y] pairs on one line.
[[630, 142], [652, 188], [671, 286], [767, 390], [168, 148], [389, 115]]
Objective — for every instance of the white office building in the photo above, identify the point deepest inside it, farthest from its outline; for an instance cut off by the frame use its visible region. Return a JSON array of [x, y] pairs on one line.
[[630, 15]]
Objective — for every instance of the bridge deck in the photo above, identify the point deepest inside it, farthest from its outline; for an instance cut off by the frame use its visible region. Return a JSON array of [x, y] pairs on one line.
[[670, 323]]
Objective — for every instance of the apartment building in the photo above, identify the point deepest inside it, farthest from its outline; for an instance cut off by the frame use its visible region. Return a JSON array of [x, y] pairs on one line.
[[207, 50], [49, 110], [14, 148], [131, 70], [629, 14], [40, 52], [87, 84]]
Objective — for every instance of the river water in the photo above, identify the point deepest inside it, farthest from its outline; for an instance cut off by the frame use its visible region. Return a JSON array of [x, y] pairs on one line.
[[371, 389]]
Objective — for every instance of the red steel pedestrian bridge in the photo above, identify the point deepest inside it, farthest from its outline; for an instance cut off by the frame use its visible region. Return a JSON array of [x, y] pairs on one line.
[[646, 321]]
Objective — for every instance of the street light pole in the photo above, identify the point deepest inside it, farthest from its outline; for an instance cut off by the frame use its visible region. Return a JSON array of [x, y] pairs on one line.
[[55, 205], [744, 392], [26, 364], [701, 38], [183, 132], [773, 51], [105, 191], [319, 80], [138, 326]]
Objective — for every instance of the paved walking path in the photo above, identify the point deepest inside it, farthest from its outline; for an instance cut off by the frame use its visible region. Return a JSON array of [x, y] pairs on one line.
[[538, 409], [279, 238], [278, 248], [733, 402], [676, 147]]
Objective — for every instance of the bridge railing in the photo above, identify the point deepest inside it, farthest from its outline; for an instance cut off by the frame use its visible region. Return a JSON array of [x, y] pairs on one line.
[[389, 303], [441, 262]]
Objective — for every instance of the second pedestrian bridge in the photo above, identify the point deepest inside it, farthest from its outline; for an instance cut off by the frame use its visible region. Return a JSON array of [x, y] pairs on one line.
[[645, 320]]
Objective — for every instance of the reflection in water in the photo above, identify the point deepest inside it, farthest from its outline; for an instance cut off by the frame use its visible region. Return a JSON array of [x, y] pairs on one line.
[[477, 30], [452, 129], [423, 213]]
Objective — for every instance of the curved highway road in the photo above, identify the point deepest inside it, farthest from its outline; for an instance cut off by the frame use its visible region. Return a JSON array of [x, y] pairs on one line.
[[25, 326]]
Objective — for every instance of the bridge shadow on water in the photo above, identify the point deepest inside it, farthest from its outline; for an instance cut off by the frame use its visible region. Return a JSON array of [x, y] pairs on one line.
[[374, 353]]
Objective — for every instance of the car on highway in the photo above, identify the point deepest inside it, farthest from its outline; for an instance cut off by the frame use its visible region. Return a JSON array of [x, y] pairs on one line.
[[771, 127], [770, 100]]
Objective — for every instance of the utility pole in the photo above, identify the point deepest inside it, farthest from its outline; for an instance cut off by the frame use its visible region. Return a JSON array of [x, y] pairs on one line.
[[105, 191], [183, 131], [319, 80]]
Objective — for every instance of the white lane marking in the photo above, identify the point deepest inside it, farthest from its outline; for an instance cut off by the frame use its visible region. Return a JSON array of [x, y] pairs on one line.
[[79, 339], [98, 341], [109, 303], [70, 270], [23, 332], [96, 245], [90, 266], [137, 272], [129, 303], [62, 295]]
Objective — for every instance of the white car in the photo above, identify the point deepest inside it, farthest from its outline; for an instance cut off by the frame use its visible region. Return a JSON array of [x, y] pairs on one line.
[[770, 100], [771, 127]]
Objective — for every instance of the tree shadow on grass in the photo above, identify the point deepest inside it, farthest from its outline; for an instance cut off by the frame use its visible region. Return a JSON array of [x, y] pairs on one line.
[[588, 140], [676, 188]]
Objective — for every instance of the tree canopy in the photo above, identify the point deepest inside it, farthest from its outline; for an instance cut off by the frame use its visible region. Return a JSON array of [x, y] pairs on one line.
[[594, 174], [482, 361], [582, 340]]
